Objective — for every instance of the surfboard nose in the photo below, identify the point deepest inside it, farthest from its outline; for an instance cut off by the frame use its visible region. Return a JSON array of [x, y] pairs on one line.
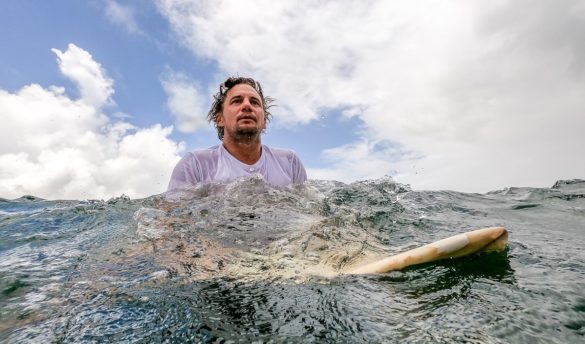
[[481, 240], [500, 242], [484, 238]]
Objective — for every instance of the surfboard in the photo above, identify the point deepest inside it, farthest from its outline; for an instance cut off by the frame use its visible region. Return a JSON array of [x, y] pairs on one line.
[[481, 240]]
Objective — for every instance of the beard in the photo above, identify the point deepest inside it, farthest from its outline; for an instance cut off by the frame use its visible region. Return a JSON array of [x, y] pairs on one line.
[[245, 134]]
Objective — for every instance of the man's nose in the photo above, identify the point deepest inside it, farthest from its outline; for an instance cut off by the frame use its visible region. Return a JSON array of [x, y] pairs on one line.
[[246, 104]]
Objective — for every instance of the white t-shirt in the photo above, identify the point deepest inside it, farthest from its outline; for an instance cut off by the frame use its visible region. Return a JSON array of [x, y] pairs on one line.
[[279, 167]]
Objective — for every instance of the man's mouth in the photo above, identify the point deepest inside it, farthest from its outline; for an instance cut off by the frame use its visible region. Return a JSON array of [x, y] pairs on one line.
[[247, 117]]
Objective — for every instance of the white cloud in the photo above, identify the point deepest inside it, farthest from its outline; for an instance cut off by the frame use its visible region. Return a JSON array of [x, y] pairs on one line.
[[185, 102], [485, 95], [56, 147], [357, 161], [94, 85], [122, 15]]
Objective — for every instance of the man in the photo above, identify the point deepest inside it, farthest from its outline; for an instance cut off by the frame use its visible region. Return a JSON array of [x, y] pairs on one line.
[[239, 112]]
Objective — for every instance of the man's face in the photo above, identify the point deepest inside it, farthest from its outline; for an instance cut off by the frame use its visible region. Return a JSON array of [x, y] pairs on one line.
[[243, 114]]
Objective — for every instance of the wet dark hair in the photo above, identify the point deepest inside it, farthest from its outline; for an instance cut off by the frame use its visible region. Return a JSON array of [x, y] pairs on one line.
[[219, 99]]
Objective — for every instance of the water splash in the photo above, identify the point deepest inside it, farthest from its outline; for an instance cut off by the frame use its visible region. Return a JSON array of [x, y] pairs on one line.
[[245, 261]]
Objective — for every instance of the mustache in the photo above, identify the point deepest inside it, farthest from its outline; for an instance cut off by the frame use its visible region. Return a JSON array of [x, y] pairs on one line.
[[247, 116]]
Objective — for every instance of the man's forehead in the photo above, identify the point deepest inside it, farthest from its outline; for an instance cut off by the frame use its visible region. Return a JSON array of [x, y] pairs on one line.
[[242, 90]]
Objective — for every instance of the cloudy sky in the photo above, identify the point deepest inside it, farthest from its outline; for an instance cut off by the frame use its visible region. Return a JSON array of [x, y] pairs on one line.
[[102, 97]]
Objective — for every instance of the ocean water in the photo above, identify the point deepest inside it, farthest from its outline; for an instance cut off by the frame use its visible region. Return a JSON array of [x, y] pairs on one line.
[[246, 262]]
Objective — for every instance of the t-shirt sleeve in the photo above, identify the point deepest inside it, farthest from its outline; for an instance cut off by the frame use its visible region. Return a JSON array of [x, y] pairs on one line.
[[299, 173], [184, 174]]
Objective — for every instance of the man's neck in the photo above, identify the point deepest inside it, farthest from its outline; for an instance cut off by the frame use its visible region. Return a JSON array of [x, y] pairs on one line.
[[246, 152]]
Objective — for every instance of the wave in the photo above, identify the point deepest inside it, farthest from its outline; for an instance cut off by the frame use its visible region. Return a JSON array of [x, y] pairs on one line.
[[248, 261]]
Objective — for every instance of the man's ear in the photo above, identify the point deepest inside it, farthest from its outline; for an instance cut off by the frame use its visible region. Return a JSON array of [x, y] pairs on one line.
[[219, 120]]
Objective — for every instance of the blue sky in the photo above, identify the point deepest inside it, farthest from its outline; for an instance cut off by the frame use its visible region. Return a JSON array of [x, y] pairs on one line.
[[471, 97], [136, 62]]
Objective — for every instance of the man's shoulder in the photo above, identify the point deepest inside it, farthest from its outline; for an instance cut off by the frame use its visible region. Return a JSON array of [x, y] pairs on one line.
[[289, 162], [280, 152], [204, 154]]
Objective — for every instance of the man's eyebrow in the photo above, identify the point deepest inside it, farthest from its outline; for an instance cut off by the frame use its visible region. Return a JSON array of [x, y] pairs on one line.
[[239, 96]]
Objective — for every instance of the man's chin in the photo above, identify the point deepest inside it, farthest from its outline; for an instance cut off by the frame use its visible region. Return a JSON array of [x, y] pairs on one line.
[[246, 134]]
